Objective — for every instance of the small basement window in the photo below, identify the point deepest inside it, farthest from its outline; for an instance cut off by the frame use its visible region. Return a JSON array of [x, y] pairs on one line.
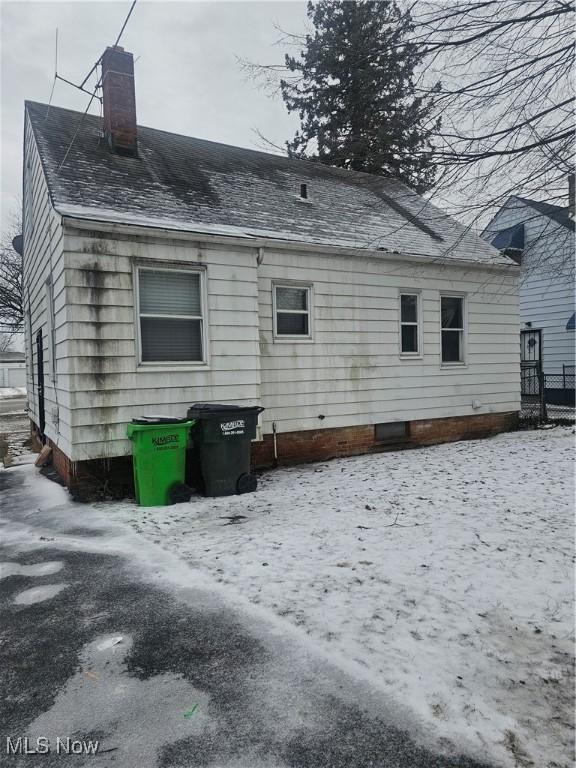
[[292, 311], [391, 432], [171, 316]]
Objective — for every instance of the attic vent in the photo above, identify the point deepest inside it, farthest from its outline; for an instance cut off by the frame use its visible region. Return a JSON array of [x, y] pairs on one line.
[[304, 191]]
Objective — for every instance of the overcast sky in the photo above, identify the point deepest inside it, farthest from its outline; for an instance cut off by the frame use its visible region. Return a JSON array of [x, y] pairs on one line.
[[187, 77]]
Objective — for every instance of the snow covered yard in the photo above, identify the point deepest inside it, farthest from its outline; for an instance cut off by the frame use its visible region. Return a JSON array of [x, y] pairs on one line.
[[445, 572]]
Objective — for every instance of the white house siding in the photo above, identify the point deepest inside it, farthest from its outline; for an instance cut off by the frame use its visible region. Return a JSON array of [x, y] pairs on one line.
[[352, 374], [547, 295], [42, 258], [100, 371]]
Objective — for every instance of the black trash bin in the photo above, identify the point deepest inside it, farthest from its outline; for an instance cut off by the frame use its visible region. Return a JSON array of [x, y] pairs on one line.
[[220, 456]]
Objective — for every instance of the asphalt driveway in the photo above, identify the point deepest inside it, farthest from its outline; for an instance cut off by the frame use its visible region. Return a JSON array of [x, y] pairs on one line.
[[109, 638]]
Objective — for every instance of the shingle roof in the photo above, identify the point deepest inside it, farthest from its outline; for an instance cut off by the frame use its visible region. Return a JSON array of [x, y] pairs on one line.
[[197, 185], [12, 357], [556, 212]]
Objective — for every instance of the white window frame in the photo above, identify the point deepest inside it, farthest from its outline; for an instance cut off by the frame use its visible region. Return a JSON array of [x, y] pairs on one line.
[[172, 364], [303, 338], [463, 331], [419, 353]]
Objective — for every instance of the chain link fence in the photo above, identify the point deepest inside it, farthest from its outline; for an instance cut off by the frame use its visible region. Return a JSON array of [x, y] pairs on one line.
[[548, 397]]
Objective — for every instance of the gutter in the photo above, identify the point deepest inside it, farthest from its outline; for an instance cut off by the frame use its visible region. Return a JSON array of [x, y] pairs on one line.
[[256, 241]]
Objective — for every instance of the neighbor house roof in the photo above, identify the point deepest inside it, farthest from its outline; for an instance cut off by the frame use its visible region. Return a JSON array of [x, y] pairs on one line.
[[178, 182], [12, 357], [557, 213]]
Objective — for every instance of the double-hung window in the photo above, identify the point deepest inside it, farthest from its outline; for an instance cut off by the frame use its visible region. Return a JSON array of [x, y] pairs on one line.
[[292, 318], [452, 315], [171, 316], [410, 324]]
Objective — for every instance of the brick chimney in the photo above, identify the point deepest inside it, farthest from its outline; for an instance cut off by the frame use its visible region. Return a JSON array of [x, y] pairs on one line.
[[119, 101]]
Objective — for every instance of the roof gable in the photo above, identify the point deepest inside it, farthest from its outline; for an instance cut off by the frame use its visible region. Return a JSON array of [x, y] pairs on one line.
[[557, 213], [197, 185]]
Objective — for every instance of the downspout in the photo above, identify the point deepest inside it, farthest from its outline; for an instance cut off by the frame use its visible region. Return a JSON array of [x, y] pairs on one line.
[[274, 432]]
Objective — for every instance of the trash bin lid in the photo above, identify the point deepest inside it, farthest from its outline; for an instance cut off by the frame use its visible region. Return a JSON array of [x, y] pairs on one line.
[[206, 410], [159, 420]]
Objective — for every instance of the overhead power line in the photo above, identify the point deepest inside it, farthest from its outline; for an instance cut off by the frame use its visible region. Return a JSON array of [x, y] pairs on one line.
[[93, 93]]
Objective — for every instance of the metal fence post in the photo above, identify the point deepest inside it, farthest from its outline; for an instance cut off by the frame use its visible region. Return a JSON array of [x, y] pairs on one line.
[[542, 382]]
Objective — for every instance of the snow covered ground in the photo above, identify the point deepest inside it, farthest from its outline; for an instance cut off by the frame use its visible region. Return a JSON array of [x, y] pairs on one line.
[[6, 392], [445, 572]]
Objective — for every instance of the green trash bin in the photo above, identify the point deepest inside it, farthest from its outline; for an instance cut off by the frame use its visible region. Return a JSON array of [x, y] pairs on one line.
[[159, 458]]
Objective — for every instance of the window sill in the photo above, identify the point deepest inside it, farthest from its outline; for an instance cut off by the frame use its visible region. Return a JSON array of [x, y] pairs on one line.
[[449, 366], [292, 340], [408, 356], [171, 367]]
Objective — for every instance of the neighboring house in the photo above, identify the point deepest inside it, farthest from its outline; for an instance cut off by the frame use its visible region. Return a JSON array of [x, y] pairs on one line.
[[12, 369], [540, 237], [161, 270]]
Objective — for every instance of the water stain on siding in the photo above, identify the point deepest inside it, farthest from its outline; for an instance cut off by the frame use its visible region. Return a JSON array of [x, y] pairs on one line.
[[97, 364]]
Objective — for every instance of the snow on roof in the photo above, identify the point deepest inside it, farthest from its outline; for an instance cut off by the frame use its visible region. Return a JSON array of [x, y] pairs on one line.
[[200, 186]]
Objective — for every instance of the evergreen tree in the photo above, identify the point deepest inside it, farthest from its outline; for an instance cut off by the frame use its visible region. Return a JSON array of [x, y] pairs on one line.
[[355, 95]]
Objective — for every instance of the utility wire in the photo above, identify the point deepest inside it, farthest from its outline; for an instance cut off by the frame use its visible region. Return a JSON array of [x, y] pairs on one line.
[[92, 97], [55, 75], [83, 83], [93, 94]]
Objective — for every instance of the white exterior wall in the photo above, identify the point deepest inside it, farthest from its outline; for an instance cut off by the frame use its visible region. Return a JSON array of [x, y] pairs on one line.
[[547, 295], [352, 372], [99, 368], [42, 258]]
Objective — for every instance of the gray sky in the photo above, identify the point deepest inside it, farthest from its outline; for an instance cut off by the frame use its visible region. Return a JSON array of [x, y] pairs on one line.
[[187, 77]]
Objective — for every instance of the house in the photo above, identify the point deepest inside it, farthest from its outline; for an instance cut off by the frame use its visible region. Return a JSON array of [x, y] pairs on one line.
[[540, 237], [12, 369], [161, 270]]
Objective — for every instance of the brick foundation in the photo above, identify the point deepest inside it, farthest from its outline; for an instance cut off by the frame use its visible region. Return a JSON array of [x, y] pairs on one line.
[[105, 478], [96, 479], [322, 444]]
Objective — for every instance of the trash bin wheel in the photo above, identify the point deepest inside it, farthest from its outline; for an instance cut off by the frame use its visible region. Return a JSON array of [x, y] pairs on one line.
[[246, 483], [179, 492]]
